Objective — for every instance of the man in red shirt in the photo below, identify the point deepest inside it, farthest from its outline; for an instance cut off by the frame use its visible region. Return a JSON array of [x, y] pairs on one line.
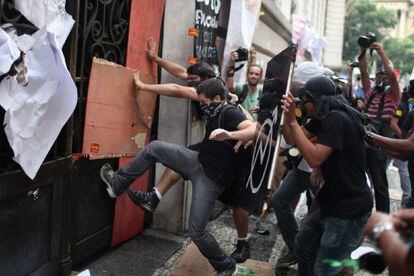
[[381, 101]]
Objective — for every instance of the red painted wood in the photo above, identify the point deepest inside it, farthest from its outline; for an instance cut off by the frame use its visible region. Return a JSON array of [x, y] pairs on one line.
[[111, 110], [128, 221], [145, 22]]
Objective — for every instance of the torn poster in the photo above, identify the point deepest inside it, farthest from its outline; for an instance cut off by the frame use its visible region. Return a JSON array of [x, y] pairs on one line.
[[35, 113], [49, 13]]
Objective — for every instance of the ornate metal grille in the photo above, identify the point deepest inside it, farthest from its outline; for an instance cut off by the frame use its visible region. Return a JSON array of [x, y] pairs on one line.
[[101, 30]]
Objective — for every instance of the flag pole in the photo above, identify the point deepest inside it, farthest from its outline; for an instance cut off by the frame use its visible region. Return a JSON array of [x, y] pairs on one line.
[[279, 135]]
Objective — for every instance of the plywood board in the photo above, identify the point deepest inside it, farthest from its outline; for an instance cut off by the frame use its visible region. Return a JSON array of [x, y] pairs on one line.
[[115, 125], [145, 22]]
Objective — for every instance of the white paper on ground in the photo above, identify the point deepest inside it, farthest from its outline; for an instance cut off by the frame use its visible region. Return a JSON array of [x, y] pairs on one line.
[[35, 114], [242, 23], [50, 13], [85, 273]]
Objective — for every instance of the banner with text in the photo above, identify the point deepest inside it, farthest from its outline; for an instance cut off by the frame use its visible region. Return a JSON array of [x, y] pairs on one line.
[[206, 22]]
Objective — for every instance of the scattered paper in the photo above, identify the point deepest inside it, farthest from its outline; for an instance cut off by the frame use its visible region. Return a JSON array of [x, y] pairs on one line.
[[49, 13], [36, 113], [41, 12]]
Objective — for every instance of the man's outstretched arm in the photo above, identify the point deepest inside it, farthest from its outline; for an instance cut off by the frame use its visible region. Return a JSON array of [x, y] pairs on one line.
[[167, 89], [363, 68], [230, 72], [389, 69], [402, 146], [171, 67], [245, 132]]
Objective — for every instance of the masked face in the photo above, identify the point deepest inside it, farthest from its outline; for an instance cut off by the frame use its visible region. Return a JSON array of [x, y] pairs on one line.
[[308, 107], [209, 107], [193, 81], [212, 109]]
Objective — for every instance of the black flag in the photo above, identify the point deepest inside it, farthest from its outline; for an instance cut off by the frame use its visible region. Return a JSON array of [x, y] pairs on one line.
[[275, 85]]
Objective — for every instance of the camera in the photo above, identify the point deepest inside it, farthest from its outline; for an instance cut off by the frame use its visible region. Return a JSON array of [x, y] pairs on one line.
[[366, 40], [243, 54], [354, 64]]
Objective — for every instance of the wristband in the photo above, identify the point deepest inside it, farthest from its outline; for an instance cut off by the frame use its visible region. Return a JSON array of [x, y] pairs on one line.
[[369, 136]]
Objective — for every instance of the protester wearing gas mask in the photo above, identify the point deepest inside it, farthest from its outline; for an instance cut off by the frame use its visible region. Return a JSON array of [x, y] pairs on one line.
[[210, 169], [195, 74], [334, 230], [381, 101], [249, 92]]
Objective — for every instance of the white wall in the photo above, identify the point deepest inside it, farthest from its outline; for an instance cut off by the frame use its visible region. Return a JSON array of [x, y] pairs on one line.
[[334, 33]]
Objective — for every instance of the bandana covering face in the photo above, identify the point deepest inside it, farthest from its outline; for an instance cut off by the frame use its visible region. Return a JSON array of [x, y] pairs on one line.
[[213, 109], [194, 84]]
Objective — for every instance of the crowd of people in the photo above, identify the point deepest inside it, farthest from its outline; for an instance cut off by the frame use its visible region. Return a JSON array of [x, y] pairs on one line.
[[346, 133]]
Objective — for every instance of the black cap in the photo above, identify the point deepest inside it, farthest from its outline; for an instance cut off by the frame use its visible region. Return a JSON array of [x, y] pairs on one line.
[[319, 86]]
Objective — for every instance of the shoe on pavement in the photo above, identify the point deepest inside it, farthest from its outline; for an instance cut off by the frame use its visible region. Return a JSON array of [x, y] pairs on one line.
[[242, 252], [286, 258], [148, 201], [107, 176]]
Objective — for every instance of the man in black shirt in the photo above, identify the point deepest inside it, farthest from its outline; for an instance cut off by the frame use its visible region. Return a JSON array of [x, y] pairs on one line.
[[334, 231], [209, 170]]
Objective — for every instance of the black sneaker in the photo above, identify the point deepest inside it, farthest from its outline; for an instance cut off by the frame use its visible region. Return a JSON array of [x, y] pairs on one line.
[[148, 201], [107, 176], [242, 252], [286, 258]]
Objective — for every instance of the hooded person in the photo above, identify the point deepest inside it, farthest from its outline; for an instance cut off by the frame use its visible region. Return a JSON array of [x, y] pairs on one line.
[[334, 230]]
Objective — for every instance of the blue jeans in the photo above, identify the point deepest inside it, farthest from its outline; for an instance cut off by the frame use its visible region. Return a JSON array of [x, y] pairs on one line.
[[204, 193], [296, 182], [402, 167], [320, 239], [376, 162]]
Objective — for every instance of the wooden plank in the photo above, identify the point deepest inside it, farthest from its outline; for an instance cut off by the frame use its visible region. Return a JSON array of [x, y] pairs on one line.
[[145, 22], [112, 110], [128, 221]]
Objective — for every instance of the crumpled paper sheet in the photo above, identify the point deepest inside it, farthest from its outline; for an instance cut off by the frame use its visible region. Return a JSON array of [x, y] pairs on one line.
[[35, 114], [49, 13]]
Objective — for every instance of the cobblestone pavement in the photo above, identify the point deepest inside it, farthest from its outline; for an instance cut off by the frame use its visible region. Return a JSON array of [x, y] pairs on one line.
[[267, 248]]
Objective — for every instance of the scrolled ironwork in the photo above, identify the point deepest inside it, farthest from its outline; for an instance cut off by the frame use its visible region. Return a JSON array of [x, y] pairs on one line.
[[106, 31]]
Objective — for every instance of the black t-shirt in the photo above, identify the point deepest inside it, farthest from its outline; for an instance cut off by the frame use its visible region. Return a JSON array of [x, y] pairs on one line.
[[345, 193], [408, 123], [218, 157]]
